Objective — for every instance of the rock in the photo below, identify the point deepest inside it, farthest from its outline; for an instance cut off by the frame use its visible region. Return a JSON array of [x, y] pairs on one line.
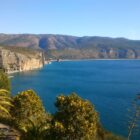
[[8, 133], [16, 62]]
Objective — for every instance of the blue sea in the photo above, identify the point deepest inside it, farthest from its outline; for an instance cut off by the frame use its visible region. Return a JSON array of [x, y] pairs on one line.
[[110, 85]]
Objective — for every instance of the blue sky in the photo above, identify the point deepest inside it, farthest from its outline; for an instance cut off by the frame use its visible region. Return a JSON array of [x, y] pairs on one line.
[[114, 18]]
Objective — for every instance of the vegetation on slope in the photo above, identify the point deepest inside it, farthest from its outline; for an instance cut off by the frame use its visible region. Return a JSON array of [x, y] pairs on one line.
[[5, 102], [75, 119], [23, 50], [4, 81]]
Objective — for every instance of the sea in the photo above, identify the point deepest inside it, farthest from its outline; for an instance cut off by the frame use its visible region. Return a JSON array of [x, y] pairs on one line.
[[111, 85]]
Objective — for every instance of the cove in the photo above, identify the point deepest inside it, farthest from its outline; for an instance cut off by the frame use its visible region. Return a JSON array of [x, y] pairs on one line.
[[110, 85]]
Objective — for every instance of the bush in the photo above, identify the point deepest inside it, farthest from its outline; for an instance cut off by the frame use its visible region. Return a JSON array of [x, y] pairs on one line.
[[75, 119], [4, 81], [28, 107]]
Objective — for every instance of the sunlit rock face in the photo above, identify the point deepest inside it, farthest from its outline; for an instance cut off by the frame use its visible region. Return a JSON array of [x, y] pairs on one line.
[[12, 62]]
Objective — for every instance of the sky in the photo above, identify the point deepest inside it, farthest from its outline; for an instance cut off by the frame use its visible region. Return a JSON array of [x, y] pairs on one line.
[[112, 18]]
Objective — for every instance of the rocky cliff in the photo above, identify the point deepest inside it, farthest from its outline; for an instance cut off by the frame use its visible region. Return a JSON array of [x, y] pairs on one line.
[[94, 53], [13, 61]]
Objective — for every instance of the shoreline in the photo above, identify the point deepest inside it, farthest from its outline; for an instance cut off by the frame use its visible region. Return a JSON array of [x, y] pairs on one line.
[[66, 60], [92, 60], [19, 71]]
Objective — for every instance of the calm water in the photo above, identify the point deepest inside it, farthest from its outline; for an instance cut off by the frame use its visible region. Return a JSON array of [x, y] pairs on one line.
[[109, 85]]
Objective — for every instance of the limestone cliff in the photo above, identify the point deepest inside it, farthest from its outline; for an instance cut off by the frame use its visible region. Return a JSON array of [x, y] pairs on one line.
[[12, 61]]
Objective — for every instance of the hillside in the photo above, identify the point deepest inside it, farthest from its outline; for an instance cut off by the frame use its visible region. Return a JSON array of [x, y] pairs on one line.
[[71, 47]]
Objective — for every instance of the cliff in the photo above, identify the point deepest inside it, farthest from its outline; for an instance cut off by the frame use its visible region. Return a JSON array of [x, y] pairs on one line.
[[94, 53], [13, 61]]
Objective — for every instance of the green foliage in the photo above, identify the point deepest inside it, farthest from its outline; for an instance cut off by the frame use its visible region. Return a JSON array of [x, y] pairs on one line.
[[110, 136], [36, 132], [5, 102], [28, 106], [75, 119], [4, 81]]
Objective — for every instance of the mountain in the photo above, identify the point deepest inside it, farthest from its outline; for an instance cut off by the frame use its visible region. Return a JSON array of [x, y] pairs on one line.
[[72, 47]]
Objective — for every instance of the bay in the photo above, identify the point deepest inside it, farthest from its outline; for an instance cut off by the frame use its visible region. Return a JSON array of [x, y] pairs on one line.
[[110, 85]]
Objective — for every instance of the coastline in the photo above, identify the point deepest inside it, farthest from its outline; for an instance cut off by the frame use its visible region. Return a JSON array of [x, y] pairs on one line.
[[66, 60], [17, 71], [93, 60]]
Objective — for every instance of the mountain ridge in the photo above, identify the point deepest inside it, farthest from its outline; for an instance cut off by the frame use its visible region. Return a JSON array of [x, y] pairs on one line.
[[73, 47]]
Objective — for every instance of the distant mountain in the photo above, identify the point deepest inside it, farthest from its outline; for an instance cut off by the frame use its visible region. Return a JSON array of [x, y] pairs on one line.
[[71, 47]]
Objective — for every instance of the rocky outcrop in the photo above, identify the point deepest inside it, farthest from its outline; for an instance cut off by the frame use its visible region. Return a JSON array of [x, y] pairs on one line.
[[13, 61], [118, 53], [96, 53], [8, 133]]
